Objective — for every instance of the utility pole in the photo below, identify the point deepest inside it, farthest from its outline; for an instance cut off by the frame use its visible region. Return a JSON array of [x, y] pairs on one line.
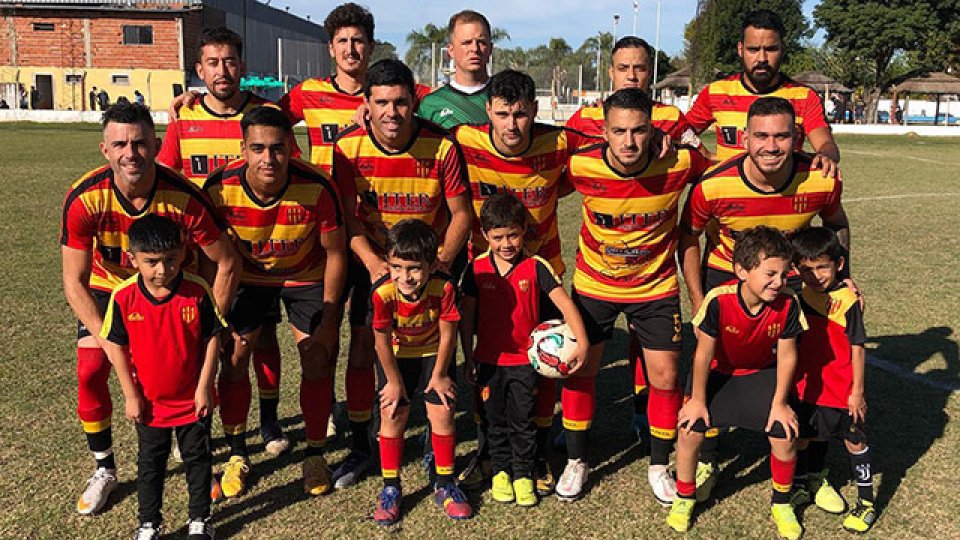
[[656, 52], [636, 8], [599, 47], [616, 21]]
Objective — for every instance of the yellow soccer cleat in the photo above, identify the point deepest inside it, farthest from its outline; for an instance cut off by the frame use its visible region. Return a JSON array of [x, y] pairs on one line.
[[545, 481], [681, 510], [707, 477], [502, 488], [316, 476], [233, 481], [525, 493], [861, 518], [824, 495], [786, 521]]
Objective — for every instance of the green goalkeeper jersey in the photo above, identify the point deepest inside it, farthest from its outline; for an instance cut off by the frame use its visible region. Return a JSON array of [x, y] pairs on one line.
[[449, 107]]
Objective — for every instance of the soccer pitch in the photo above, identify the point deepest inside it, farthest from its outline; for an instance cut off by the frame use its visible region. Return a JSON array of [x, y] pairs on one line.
[[901, 194]]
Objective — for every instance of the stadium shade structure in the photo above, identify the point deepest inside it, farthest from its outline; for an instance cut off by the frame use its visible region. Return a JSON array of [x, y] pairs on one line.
[[820, 82], [937, 83]]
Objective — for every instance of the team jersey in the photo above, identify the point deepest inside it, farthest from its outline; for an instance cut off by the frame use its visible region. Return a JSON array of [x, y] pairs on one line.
[[726, 102], [414, 182], [96, 218], [326, 110], [508, 306], [279, 240], [448, 107], [628, 238], [667, 118], [414, 323], [725, 194], [533, 176], [746, 342], [824, 373], [166, 340]]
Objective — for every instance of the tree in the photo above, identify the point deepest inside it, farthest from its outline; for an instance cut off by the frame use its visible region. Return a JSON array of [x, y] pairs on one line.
[[422, 46], [383, 49]]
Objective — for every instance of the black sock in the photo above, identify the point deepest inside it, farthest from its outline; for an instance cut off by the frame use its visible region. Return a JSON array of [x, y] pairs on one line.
[[238, 444], [576, 444], [101, 444], [443, 480], [268, 411], [817, 456], [395, 482], [543, 444], [802, 469], [360, 438], [640, 402], [709, 450], [660, 450], [313, 451], [863, 474]]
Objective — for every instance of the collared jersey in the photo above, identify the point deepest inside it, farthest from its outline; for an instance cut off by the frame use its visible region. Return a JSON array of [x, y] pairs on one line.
[[166, 338], [667, 118], [414, 323], [448, 107], [508, 306], [746, 341], [533, 176], [279, 239], [414, 182], [725, 194], [726, 102], [824, 373], [628, 238], [96, 217]]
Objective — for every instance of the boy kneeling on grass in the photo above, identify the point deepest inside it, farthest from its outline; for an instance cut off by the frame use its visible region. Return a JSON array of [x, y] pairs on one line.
[[160, 333], [737, 380]]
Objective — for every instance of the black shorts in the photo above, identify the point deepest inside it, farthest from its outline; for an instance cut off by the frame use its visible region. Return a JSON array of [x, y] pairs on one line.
[[740, 401], [254, 306], [102, 300], [822, 422], [358, 291], [416, 373], [656, 323]]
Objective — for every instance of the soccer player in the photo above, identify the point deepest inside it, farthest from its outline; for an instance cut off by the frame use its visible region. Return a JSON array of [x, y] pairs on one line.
[[285, 216], [743, 371], [830, 379], [415, 323], [625, 264], [725, 102], [503, 292], [160, 333], [97, 212]]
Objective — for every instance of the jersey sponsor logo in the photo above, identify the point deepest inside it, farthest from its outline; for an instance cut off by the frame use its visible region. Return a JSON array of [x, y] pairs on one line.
[[617, 257], [296, 214], [731, 329], [731, 208], [135, 317], [399, 202], [445, 113], [274, 247], [188, 314], [647, 221], [202, 164], [425, 167], [530, 197], [329, 132], [732, 136], [773, 330]]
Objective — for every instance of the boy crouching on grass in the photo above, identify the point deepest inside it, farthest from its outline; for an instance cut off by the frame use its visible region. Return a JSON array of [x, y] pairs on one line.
[[830, 379], [415, 327], [737, 380], [502, 294], [160, 335]]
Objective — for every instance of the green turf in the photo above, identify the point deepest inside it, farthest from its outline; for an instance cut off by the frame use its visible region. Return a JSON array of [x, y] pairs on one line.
[[901, 195]]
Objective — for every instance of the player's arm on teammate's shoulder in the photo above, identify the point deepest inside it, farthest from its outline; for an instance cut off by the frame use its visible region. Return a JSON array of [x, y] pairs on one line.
[[186, 99], [827, 157]]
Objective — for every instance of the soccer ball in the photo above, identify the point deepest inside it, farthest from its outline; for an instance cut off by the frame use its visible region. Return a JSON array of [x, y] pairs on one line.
[[551, 347]]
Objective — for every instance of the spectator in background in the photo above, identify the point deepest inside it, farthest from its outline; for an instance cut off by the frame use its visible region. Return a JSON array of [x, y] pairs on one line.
[[23, 97], [34, 97], [93, 98], [139, 97], [4, 104], [103, 99]]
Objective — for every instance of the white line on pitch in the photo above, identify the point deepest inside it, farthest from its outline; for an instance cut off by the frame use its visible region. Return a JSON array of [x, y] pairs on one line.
[[899, 156], [899, 371], [902, 196]]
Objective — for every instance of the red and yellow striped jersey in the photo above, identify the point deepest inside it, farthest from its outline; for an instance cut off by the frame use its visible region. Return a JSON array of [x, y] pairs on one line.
[[279, 240], [326, 110], [414, 324], [532, 176], [726, 102], [726, 195], [628, 238], [414, 182], [666, 118], [96, 217]]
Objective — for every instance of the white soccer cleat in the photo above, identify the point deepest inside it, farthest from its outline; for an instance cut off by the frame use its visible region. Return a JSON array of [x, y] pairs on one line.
[[99, 487], [574, 477], [200, 529], [277, 446], [663, 485], [147, 532]]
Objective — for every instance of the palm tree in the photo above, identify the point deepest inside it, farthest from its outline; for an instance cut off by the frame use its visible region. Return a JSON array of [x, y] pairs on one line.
[[588, 55], [423, 53]]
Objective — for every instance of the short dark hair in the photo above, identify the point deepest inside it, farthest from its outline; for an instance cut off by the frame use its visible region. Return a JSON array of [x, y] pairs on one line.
[[412, 240], [771, 106], [468, 16], [502, 209], [220, 35], [265, 115], [388, 72], [628, 98], [765, 19], [512, 86], [154, 234], [346, 15], [760, 240], [814, 242], [632, 42], [125, 112]]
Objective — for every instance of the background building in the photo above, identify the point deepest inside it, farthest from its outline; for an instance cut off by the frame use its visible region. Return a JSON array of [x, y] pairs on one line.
[[57, 51]]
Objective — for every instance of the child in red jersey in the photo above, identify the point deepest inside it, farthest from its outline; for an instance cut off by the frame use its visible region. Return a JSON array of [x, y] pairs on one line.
[[502, 294], [160, 335], [830, 379], [737, 380], [415, 327]]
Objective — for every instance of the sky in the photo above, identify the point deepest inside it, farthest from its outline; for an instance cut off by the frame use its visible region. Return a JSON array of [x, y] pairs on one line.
[[529, 23]]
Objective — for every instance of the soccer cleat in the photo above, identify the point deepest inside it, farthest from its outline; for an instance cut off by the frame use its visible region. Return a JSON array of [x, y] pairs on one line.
[[861, 518], [824, 495], [786, 521], [680, 512], [235, 472], [316, 476], [216, 490], [524, 490], [477, 472], [353, 468], [707, 477], [388, 506], [199, 529], [800, 496], [146, 531], [545, 481], [453, 502], [574, 477], [663, 484], [277, 446], [502, 488], [99, 487]]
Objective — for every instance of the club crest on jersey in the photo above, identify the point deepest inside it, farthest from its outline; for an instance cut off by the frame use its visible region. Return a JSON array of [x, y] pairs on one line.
[[539, 162], [833, 306], [524, 285], [801, 202], [773, 330], [188, 314], [296, 214], [425, 167]]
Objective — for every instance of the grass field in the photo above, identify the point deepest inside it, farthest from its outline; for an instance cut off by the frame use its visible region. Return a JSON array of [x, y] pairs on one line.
[[902, 195]]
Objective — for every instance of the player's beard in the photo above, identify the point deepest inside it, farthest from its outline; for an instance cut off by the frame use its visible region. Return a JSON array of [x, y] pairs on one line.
[[225, 95], [763, 80]]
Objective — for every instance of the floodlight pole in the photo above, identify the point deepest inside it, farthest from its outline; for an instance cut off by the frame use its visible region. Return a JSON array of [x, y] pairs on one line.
[[599, 41], [636, 8], [616, 21], [656, 51]]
